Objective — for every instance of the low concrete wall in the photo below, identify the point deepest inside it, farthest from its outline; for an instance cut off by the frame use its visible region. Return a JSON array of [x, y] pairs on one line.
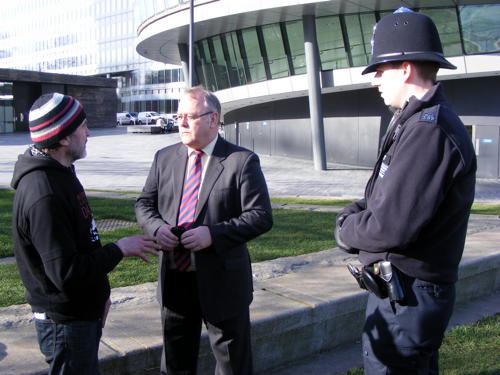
[[327, 308], [302, 306], [153, 129], [308, 312]]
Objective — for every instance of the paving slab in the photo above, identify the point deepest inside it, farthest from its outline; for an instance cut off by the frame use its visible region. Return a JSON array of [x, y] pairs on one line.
[[117, 160]]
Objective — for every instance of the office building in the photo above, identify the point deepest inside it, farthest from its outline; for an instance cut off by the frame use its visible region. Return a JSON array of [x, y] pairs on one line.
[[288, 72], [94, 38]]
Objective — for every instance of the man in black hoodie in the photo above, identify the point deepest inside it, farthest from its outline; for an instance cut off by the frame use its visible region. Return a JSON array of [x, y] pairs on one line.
[[61, 261], [409, 230]]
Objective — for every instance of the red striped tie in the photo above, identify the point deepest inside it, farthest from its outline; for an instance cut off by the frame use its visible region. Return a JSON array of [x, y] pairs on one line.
[[187, 209]]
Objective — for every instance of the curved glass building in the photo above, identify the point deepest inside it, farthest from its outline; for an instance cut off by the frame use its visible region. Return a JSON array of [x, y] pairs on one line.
[[288, 72]]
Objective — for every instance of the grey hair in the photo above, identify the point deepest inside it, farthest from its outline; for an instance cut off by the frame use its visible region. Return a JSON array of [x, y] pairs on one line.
[[209, 99]]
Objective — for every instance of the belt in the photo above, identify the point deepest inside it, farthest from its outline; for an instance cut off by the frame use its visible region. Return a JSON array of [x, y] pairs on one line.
[[379, 278]]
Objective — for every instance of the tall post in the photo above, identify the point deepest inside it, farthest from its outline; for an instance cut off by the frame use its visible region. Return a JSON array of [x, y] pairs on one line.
[[315, 108], [191, 44]]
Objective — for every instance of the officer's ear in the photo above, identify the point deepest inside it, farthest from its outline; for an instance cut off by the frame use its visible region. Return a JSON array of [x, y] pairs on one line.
[[408, 70]]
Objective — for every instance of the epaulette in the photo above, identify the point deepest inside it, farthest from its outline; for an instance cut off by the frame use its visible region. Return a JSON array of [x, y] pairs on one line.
[[430, 114]]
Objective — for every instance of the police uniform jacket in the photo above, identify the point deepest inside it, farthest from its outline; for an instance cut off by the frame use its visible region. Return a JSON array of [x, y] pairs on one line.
[[417, 201]]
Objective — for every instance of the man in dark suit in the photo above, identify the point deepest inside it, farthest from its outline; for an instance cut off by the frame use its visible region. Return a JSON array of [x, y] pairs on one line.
[[204, 198]]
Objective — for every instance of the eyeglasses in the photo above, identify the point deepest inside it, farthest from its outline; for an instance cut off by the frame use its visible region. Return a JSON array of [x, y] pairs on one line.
[[183, 116]]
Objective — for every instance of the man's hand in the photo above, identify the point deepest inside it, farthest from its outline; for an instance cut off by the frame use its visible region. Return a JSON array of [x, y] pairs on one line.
[[165, 238], [138, 246], [197, 238], [106, 311], [336, 235]]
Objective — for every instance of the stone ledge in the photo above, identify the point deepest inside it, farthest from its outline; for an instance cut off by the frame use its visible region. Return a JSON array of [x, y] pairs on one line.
[[314, 307], [152, 129]]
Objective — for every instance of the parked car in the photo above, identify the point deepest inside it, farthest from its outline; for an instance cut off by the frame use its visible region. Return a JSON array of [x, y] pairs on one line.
[[125, 118], [149, 118], [154, 118]]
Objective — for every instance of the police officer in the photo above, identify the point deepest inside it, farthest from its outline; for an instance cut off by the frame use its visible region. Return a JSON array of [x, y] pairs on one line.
[[413, 218]]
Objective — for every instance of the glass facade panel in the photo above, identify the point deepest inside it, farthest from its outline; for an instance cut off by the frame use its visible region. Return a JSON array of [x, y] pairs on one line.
[[199, 64], [276, 57], [98, 37], [331, 43], [253, 57], [359, 33], [295, 34], [235, 62], [480, 28], [242, 53], [447, 24], [6, 108], [219, 63], [207, 66]]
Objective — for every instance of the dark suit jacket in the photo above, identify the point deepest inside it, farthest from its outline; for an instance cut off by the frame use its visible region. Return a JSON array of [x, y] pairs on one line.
[[233, 203]]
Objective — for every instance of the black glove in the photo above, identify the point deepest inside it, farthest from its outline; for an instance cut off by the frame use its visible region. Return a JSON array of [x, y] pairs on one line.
[[336, 235], [178, 231]]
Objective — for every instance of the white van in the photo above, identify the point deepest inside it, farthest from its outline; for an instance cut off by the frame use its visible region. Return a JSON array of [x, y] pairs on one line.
[[125, 118], [149, 118]]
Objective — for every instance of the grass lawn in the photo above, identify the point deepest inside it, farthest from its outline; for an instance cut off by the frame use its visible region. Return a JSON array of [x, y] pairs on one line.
[[470, 349], [315, 201], [294, 232], [466, 350], [482, 209], [6, 197], [102, 208], [486, 209]]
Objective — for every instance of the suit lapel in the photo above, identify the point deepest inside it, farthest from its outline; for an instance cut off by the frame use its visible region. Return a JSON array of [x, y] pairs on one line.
[[214, 169]]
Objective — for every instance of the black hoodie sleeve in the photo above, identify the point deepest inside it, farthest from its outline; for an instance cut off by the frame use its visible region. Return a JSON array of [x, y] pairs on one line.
[[70, 262]]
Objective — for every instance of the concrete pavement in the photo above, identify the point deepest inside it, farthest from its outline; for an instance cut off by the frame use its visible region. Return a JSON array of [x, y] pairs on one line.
[[117, 160], [307, 310]]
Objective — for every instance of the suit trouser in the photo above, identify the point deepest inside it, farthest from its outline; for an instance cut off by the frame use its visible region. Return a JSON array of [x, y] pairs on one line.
[[181, 323], [404, 338]]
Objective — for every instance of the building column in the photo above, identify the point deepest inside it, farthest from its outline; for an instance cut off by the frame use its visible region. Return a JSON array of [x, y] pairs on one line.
[[315, 108]]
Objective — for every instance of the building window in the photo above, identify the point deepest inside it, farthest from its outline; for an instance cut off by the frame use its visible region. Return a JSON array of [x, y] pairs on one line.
[[252, 56], [331, 43], [276, 50], [219, 62], [207, 66], [447, 24], [359, 29], [480, 28], [276, 57], [199, 64], [234, 61], [295, 34]]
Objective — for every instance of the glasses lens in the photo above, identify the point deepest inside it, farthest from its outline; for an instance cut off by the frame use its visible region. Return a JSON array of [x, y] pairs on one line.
[[182, 116]]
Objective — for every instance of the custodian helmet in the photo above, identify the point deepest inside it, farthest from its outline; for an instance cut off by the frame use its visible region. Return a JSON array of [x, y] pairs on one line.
[[406, 36]]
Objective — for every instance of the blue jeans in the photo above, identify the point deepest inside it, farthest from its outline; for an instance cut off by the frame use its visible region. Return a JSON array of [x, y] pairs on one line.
[[404, 338], [70, 348]]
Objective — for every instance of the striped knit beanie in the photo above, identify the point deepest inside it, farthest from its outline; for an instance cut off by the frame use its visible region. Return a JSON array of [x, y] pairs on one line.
[[52, 117]]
